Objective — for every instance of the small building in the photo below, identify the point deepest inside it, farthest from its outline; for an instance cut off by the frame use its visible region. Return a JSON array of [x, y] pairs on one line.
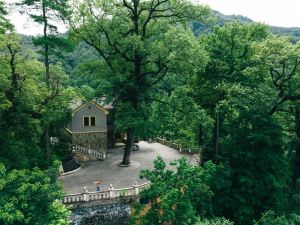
[[89, 126]]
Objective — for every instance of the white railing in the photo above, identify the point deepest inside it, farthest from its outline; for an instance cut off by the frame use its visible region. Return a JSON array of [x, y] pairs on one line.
[[176, 146], [90, 152], [169, 143], [111, 193]]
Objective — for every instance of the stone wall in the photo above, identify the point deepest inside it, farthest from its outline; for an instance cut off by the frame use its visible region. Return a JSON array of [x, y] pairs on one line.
[[108, 214], [94, 140]]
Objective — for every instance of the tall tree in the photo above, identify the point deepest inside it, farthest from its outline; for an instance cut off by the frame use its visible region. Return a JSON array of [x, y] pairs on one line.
[[5, 25], [140, 42], [49, 14], [232, 56], [20, 112], [254, 172], [25, 103], [247, 142], [282, 61]]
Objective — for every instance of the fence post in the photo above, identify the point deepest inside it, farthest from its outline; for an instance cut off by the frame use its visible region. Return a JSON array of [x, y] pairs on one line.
[[73, 148], [136, 189], [61, 169], [111, 192], [85, 195]]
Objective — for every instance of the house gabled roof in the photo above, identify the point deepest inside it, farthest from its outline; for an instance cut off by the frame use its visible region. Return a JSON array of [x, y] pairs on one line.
[[79, 105]]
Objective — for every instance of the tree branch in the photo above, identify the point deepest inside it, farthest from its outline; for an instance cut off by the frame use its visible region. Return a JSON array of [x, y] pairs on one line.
[[283, 100]]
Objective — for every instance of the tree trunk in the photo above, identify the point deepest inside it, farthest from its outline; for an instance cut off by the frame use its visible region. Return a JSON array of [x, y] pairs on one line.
[[128, 147], [296, 172], [47, 144], [217, 146], [200, 135], [46, 46], [133, 93], [47, 77]]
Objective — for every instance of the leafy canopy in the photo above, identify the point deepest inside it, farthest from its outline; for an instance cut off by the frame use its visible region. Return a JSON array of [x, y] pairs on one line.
[[31, 197], [176, 196]]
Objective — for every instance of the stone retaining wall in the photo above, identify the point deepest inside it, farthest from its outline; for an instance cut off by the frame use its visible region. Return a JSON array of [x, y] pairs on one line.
[[93, 140], [112, 214]]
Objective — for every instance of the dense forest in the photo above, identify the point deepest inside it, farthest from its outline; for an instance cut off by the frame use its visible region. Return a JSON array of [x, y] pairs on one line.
[[225, 87]]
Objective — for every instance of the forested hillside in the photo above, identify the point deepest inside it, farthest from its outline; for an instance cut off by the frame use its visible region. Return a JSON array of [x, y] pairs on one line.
[[84, 53], [221, 19], [219, 86]]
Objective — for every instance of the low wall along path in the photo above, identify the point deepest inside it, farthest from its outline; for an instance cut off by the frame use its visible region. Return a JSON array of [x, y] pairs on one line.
[[109, 194]]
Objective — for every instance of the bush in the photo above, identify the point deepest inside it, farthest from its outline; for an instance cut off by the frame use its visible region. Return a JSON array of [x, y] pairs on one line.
[[215, 221], [31, 197], [176, 196]]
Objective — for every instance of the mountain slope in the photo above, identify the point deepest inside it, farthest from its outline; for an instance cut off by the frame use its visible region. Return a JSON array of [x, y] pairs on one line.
[[198, 28]]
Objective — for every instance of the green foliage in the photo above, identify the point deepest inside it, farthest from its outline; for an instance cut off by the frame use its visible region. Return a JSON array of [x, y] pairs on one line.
[[232, 65], [30, 197], [215, 221], [178, 118], [5, 25], [140, 44], [295, 201], [270, 218], [39, 11], [176, 196], [231, 54], [20, 124], [247, 142], [27, 105], [282, 59], [56, 110], [255, 167], [233, 92], [48, 13]]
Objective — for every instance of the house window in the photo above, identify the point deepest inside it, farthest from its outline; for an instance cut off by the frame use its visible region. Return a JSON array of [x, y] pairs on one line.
[[89, 121], [86, 121], [93, 121]]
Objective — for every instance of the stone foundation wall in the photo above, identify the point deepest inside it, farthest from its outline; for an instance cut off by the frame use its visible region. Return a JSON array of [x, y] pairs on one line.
[[112, 214], [94, 140]]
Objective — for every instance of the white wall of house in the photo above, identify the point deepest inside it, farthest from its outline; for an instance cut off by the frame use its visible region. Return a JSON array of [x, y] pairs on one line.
[[88, 110]]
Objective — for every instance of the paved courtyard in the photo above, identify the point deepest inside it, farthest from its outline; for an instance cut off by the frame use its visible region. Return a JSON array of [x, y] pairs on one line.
[[108, 172]]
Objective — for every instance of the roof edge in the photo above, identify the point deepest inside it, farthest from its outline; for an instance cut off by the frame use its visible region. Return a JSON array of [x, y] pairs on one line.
[[106, 112]]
